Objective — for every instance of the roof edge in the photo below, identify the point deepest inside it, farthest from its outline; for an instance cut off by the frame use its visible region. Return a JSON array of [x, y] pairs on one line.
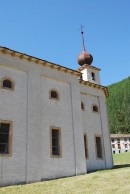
[[105, 90], [88, 66], [30, 58]]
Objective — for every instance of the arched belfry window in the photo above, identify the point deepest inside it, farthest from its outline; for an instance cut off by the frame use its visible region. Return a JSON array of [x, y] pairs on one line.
[[7, 83], [82, 106], [81, 77], [53, 94], [93, 76], [95, 108]]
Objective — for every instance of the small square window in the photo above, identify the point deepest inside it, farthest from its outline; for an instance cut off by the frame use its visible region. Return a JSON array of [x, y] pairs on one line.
[[53, 94], [95, 108], [7, 83]]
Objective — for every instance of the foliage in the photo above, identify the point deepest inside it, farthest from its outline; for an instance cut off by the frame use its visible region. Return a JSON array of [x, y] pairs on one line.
[[118, 104]]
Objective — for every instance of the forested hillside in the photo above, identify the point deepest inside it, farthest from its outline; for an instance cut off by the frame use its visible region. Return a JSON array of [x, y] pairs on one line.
[[118, 104]]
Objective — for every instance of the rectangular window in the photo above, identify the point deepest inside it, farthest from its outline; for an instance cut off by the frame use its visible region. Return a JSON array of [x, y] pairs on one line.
[[126, 146], [5, 137], [113, 146], [119, 146], [55, 142], [112, 140], [99, 149], [86, 146]]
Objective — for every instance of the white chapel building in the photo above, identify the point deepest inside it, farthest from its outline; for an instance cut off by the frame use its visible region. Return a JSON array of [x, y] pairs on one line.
[[53, 120]]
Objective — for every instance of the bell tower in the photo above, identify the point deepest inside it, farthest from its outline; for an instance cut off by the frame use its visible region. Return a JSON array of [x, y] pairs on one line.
[[89, 72]]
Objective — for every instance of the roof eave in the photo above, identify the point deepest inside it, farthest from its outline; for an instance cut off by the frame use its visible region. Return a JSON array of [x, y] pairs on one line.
[[30, 58]]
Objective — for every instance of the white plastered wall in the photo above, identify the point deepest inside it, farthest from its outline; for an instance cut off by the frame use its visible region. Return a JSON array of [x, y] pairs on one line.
[[13, 107], [32, 113], [96, 124]]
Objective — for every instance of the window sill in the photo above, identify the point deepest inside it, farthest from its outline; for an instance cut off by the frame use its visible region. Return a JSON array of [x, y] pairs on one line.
[[5, 155], [53, 156]]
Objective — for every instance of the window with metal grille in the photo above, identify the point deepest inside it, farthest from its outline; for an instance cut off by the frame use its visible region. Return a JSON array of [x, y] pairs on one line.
[[4, 138], [55, 142]]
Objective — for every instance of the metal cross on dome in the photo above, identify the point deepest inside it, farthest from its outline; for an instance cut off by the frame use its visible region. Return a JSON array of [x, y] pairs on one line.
[[81, 28]]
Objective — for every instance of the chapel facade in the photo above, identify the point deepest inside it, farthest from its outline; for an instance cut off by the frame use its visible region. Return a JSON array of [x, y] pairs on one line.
[[53, 120]]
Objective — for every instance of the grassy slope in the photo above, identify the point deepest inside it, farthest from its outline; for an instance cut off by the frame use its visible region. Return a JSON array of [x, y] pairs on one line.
[[100, 182], [121, 159]]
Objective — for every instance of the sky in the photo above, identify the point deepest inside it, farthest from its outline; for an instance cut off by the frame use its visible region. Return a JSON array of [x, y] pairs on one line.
[[50, 30]]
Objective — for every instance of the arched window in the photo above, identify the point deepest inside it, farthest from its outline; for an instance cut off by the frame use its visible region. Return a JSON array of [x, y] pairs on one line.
[[95, 108], [93, 76], [82, 106], [7, 83], [54, 94]]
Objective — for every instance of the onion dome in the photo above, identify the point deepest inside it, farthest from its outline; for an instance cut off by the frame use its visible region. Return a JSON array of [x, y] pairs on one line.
[[84, 57]]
